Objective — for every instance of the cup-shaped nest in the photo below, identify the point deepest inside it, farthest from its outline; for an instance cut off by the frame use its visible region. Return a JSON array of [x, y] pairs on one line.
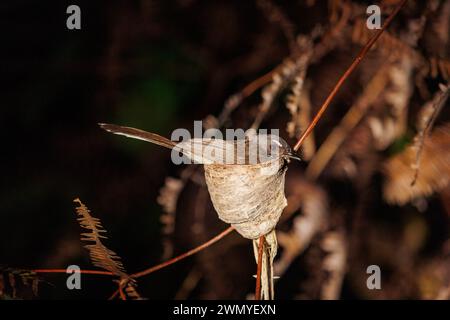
[[250, 197]]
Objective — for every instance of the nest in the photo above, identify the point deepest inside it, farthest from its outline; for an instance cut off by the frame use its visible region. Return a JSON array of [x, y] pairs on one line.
[[249, 197]]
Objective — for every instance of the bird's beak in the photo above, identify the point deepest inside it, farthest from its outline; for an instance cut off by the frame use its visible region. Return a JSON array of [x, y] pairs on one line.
[[294, 155]]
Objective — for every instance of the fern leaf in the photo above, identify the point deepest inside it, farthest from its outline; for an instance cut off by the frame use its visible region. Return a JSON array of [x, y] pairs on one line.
[[100, 255], [434, 172]]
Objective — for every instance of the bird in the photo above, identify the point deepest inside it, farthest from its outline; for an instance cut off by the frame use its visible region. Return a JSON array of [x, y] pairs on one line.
[[247, 189], [253, 149]]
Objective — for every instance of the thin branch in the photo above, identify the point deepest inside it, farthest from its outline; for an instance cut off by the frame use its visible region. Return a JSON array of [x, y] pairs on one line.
[[235, 100], [347, 73], [351, 119], [114, 295], [149, 270], [99, 272], [184, 255], [122, 295], [259, 268]]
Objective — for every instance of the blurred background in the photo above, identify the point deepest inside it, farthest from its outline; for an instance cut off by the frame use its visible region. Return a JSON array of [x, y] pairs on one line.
[[160, 65]]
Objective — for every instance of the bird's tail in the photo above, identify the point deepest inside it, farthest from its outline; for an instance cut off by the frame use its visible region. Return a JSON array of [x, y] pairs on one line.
[[138, 134]]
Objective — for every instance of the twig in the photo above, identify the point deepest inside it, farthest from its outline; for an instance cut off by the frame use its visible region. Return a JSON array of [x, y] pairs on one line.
[[99, 272], [122, 295], [114, 295], [348, 123], [274, 14], [154, 268], [259, 268], [177, 258], [235, 100], [184, 255], [347, 73]]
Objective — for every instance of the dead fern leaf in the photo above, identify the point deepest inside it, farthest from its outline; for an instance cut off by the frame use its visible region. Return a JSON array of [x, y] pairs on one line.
[[168, 197], [434, 172], [100, 255], [425, 121], [305, 227], [288, 71], [335, 263], [389, 45]]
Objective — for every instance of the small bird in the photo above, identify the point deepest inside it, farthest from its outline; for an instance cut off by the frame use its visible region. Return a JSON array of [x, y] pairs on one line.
[[247, 189], [254, 149]]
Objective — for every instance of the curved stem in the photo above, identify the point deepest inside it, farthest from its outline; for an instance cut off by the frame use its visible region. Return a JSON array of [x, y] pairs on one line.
[[346, 74], [98, 272], [184, 255], [152, 269]]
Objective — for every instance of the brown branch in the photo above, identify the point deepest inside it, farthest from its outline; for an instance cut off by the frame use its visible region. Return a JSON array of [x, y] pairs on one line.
[[236, 99], [184, 255], [122, 295], [347, 73], [259, 268], [350, 120], [258, 83], [114, 295], [99, 272], [152, 269]]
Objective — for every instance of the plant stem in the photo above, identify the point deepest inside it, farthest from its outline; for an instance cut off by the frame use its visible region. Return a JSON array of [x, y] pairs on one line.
[[259, 268], [184, 255], [99, 272], [154, 268], [346, 74]]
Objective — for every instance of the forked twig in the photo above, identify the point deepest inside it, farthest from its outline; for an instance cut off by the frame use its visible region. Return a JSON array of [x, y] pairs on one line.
[[346, 74]]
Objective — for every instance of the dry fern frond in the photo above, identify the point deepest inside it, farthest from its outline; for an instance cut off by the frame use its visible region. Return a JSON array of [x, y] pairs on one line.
[[425, 121], [436, 67], [290, 68], [293, 127], [392, 123], [434, 172], [299, 105], [100, 255], [335, 264], [305, 226], [168, 197], [168, 194], [352, 118], [388, 44], [274, 14]]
